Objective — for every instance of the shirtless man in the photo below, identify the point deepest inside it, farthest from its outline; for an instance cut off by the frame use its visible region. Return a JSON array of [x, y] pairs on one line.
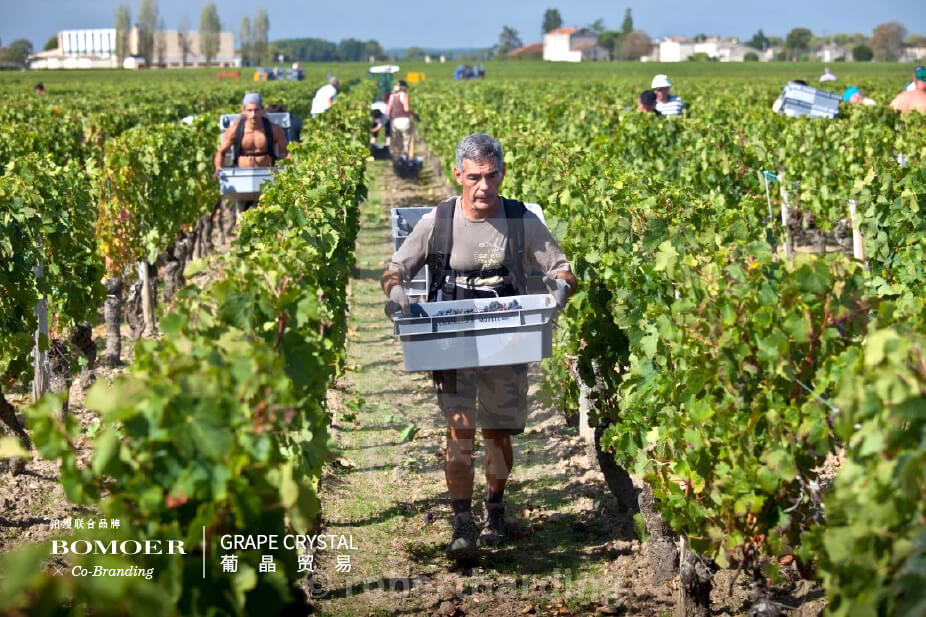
[[253, 151], [915, 99]]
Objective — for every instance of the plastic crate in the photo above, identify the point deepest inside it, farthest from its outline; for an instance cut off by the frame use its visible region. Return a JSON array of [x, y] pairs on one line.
[[280, 118], [479, 339], [243, 184], [798, 100], [404, 220], [380, 151], [407, 168]]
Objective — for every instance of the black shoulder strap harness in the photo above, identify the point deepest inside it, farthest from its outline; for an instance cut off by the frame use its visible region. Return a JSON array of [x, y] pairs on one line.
[[441, 245], [268, 133]]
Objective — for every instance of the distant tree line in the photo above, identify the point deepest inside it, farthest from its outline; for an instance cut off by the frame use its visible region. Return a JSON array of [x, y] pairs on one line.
[[886, 43], [15, 53], [320, 50], [152, 36], [253, 38]]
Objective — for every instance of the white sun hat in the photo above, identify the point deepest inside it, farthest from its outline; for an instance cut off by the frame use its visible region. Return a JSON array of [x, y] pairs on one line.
[[661, 81]]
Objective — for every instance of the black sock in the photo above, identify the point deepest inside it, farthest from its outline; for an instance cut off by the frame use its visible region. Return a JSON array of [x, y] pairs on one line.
[[461, 505], [493, 496]]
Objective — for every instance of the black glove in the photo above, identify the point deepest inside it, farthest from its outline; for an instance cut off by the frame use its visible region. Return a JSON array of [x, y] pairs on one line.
[[560, 291], [398, 303]]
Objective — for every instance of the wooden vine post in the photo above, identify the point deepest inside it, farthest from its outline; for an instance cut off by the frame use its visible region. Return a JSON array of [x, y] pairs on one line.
[[147, 298], [858, 244], [112, 314], [40, 378]]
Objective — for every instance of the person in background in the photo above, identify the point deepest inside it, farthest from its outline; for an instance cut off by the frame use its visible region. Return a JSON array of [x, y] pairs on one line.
[[39, 88], [854, 96], [666, 104], [324, 97], [915, 99], [400, 117], [379, 126], [827, 75], [647, 102], [478, 245], [911, 85], [379, 111]]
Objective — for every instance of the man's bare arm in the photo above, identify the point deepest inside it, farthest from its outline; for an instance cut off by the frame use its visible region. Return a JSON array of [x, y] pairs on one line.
[[227, 141], [279, 137]]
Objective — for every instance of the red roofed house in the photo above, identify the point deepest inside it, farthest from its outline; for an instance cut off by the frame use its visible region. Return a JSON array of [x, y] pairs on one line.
[[528, 51], [573, 45]]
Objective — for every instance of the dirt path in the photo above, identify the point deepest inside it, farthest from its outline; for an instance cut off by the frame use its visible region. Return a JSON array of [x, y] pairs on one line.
[[572, 554]]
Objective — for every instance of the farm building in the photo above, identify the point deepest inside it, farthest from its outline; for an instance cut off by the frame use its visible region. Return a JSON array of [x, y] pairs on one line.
[[916, 52], [679, 49], [533, 50], [573, 45], [832, 52], [96, 48]]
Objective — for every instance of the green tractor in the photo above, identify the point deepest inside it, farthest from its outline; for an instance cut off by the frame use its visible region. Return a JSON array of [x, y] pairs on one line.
[[383, 73]]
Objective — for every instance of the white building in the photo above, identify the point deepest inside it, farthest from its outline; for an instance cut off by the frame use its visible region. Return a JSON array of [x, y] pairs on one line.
[[573, 45], [724, 50], [679, 49], [831, 53], [913, 53], [79, 49], [769, 54], [96, 48], [675, 49]]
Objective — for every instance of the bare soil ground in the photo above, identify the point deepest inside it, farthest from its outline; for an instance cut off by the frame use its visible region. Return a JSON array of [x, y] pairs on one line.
[[572, 551]]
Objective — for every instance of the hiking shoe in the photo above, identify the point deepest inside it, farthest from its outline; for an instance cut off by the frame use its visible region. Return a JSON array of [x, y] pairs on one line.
[[462, 546], [493, 534]]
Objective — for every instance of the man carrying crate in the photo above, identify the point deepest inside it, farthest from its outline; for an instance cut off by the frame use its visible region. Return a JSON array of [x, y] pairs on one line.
[[257, 141], [478, 245]]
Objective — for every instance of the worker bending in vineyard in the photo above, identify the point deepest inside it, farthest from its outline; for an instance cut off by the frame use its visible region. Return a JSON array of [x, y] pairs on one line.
[[914, 99], [478, 245], [324, 97], [257, 141]]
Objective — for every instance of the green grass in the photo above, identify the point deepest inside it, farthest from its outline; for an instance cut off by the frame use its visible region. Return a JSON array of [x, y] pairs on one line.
[[499, 70]]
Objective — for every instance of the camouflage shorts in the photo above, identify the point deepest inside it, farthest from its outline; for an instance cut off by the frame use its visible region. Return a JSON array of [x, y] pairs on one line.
[[496, 396]]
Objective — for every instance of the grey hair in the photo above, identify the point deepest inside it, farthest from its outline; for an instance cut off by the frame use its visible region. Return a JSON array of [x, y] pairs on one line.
[[479, 148]]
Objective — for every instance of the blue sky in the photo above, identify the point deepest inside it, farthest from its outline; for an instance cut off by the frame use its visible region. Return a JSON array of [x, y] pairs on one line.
[[474, 23]]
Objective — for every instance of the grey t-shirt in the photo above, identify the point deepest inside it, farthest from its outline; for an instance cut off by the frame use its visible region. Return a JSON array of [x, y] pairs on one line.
[[480, 245]]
